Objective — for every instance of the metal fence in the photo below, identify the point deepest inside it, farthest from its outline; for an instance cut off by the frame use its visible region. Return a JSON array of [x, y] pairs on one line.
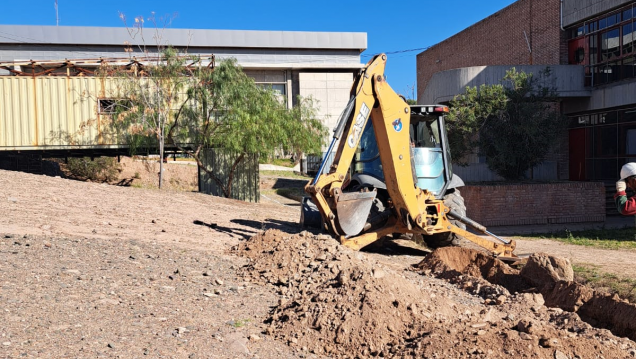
[[245, 183], [313, 163]]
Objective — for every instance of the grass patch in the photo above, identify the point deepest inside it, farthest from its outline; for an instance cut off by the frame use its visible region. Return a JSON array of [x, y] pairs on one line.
[[624, 238], [238, 323], [285, 174], [605, 282], [285, 162]]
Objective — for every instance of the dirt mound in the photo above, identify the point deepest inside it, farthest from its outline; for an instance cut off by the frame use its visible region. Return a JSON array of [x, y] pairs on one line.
[[342, 303], [547, 275], [333, 301], [178, 176], [451, 262]]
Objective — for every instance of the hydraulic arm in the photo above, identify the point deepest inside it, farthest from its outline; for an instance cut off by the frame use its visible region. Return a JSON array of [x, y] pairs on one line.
[[347, 212]]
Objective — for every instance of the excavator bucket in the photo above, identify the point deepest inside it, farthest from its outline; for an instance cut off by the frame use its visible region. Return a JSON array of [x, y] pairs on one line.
[[353, 209]]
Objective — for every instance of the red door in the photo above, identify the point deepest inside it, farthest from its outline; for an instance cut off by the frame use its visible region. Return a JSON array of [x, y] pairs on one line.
[[577, 154]]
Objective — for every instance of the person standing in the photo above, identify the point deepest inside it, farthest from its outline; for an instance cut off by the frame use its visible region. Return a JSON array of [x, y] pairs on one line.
[[626, 206]]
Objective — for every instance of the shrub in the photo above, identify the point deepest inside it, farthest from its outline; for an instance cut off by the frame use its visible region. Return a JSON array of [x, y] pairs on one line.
[[101, 169]]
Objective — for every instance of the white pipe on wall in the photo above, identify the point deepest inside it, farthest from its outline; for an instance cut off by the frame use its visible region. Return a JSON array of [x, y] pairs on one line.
[[561, 17]]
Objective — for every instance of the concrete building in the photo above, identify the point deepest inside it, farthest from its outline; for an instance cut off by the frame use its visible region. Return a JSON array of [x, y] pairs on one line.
[[318, 64], [590, 48]]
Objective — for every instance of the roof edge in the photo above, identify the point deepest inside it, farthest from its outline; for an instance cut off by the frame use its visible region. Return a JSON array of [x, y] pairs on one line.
[[86, 35]]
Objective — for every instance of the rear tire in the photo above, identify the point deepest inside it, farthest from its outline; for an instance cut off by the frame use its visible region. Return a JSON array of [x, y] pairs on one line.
[[454, 200]]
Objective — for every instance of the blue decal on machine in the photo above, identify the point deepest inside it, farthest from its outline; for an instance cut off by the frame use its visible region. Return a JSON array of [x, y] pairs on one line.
[[356, 132], [397, 125]]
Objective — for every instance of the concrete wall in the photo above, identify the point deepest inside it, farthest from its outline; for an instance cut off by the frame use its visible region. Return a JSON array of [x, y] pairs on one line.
[[614, 95], [523, 204], [575, 11], [443, 86], [330, 89], [503, 38]]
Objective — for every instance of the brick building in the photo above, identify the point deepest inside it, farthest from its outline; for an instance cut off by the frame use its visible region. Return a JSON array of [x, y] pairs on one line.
[[590, 47]]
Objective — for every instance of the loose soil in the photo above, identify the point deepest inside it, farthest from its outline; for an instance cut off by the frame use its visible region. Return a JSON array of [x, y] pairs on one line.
[[344, 304], [94, 270]]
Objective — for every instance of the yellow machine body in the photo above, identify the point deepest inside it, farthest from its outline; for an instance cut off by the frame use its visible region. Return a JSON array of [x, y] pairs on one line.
[[411, 209]]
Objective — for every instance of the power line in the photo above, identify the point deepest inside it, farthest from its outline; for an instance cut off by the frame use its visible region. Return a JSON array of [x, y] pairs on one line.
[[398, 51]]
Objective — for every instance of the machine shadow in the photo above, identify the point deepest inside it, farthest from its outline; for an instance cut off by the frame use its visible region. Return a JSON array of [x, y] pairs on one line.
[[289, 227], [245, 234], [396, 248], [290, 183]]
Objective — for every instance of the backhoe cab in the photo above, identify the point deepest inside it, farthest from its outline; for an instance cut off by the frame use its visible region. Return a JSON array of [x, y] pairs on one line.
[[392, 172]]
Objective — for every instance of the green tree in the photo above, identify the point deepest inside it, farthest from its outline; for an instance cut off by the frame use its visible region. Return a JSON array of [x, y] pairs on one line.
[[468, 113], [149, 92], [224, 108], [183, 102], [515, 124]]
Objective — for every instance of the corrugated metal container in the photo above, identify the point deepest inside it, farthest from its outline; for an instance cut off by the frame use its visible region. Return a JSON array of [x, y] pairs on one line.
[[246, 180], [56, 112]]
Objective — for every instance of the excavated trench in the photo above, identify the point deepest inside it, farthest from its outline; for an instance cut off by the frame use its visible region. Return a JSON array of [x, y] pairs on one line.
[[550, 276], [346, 304]]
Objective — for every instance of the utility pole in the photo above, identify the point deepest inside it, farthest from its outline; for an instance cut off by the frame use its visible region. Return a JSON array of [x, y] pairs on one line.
[[57, 18]]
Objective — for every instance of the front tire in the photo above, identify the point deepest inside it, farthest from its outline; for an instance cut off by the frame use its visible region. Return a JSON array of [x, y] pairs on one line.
[[454, 200]]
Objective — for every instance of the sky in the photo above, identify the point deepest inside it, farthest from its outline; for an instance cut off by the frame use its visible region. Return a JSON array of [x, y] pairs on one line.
[[402, 29]]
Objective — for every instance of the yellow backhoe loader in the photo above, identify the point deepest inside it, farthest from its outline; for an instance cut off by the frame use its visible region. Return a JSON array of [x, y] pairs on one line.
[[392, 173]]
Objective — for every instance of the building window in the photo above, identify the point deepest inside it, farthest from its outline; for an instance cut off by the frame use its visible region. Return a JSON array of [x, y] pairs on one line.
[[630, 142], [610, 45], [106, 105], [278, 88], [628, 38], [593, 50], [607, 47], [629, 67], [627, 14], [579, 55], [604, 142]]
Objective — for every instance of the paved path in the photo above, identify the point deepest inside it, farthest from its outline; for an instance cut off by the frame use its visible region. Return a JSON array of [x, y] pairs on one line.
[[619, 262], [268, 167]]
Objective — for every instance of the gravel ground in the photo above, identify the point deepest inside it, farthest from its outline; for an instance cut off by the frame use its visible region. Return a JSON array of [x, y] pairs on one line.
[[72, 298], [92, 270]]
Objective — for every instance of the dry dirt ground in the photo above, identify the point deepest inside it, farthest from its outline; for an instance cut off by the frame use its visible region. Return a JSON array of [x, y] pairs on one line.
[[94, 270]]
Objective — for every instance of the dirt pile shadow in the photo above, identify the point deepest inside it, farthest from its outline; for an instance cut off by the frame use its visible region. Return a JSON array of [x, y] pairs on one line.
[[550, 276]]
